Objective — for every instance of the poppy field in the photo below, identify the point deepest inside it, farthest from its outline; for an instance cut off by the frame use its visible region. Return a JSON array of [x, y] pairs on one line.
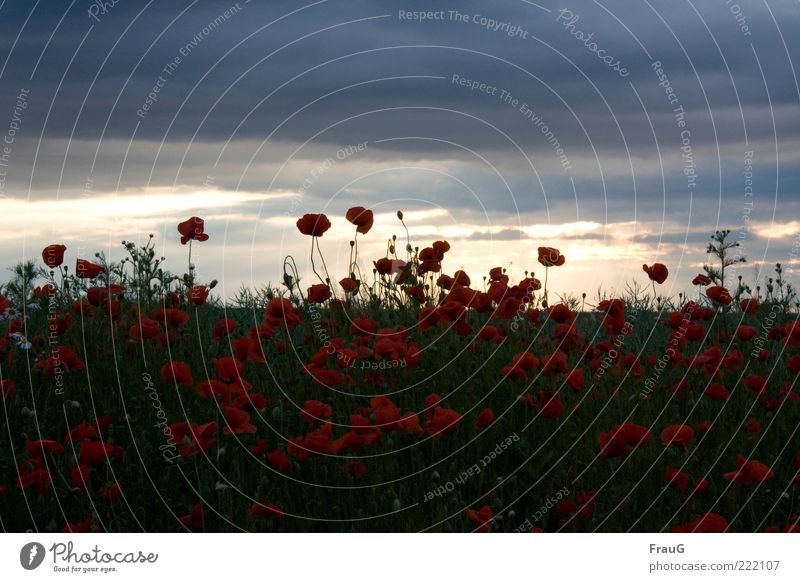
[[400, 396]]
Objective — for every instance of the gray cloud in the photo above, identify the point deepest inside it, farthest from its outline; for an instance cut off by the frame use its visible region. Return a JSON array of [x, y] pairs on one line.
[[255, 106]]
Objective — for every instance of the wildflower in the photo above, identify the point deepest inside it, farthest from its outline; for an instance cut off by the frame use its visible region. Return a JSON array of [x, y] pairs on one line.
[[719, 295], [192, 229], [657, 272], [313, 224], [677, 435], [53, 255], [550, 257], [749, 472], [361, 218], [87, 270]]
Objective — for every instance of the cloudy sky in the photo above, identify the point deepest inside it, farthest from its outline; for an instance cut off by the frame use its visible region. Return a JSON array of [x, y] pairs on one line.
[[621, 132]]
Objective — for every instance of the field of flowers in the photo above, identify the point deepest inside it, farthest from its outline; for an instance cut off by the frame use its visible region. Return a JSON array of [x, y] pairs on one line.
[[399, 398]]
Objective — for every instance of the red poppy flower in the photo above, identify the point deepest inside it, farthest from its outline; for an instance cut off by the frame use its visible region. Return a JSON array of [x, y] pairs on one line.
[[717, 391], [214, 389], [46, 290], [79, 476], [677, 435], [315, 411], [363, 327], [619, 440], [192, 439], [561, 313], [575, 379], [266, 510], [350, 285], [566, 507], [192, 229], [443, 421], [87, 270], [749, 306], [719, 295], [64, 360], [327, 378], [281, 311], [485, 418], [195, 518], [35, 476], [319, 293], [386, 266], [550, 406], [36, 449], [146, 329], [7, 389], [172, 317], [746, 332], [313, 224], [361, 218], [755, 383], [176, 372], [198, 294], [5, 303], [749, 472], [705, 523], [223, 327], [700, 486], [229, 369], [614, 318], [279, 460], [96, 452], [657, 272], [80, 432], [701, 280], [676, 478], [238, 421], [53, 255], [550, 257], [461, 279], [480, 520], [416, 292]]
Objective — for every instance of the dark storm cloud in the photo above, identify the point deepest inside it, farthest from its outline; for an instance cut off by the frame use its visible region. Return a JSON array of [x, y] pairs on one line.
[[343, 72], [130, 45]]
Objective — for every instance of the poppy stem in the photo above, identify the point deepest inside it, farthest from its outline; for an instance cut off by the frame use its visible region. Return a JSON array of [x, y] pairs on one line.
[[352, 249], [63, 282], [546, 271], [191, 278], [324, 267], [313, 266]]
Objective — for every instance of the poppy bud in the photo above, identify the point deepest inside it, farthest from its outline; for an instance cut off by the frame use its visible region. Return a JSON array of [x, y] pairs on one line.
[[400, 214]]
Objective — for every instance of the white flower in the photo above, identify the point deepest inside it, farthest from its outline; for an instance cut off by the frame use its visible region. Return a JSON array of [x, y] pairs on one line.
[[22, 341]]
